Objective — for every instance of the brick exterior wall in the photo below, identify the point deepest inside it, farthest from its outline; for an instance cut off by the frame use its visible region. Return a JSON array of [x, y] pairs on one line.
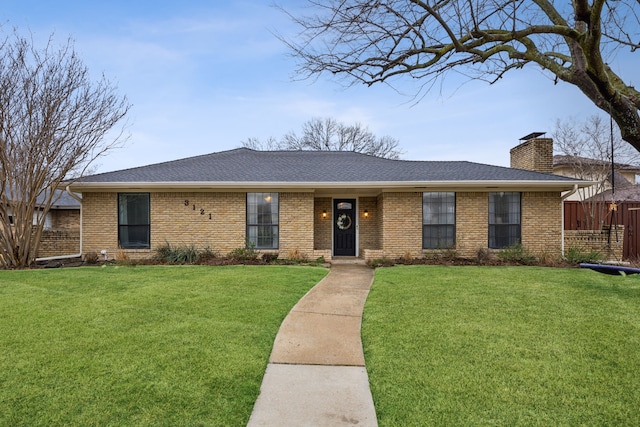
[[218, 222], [542, 222], [401, 224], [296, 225], [64, 236], [65, 219], [392, 229], [596, 240], [535, 155], [472, 223], [368, 226], [322, 226], [100, 223], [59, 243]]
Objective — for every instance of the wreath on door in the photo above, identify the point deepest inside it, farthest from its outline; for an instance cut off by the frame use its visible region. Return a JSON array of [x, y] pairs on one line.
[[343, 222]]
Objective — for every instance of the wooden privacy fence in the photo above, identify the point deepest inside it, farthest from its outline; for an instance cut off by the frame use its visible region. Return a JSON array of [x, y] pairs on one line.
[[598, 216]]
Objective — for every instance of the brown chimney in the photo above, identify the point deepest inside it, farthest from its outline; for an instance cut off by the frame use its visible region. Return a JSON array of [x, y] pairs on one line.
[[535, 153]]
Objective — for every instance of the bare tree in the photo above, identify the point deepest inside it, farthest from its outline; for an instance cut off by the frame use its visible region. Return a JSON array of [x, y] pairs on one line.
[[53, 122], [329, 134], [585, 146], [376, 41], [257, 144]]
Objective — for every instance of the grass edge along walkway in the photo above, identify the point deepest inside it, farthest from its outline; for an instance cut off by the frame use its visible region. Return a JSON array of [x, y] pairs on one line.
[[503, 346], [140, 346]]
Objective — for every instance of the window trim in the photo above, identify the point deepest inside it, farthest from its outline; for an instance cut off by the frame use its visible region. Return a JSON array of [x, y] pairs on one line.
[[148, 224], [274, 244], [441, 225]]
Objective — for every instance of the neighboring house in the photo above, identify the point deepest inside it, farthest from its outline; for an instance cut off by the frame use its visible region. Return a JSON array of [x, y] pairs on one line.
[[61, 232], [624, 202], [593, 170], [64, 213], [330, 204], [590, 208]]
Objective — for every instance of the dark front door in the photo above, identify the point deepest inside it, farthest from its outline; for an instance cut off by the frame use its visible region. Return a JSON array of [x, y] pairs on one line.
[[344, 227]]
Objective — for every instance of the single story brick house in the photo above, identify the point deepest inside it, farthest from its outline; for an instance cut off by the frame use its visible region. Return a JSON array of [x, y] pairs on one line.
[[324, 203]]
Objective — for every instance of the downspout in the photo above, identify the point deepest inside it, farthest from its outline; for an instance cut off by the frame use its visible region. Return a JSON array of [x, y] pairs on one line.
[[562, 199], [79, 254]]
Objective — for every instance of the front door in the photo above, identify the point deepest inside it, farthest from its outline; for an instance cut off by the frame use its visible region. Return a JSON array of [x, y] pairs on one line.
[[344, 227]]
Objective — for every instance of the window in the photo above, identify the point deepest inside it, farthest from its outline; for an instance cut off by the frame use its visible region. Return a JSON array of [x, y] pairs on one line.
[[504, 220], [37, 216], [133, 220], [262, 220], [438, 220]]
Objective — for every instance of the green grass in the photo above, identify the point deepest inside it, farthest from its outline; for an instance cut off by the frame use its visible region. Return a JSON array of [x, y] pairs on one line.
[[516, 346], [140, 346]]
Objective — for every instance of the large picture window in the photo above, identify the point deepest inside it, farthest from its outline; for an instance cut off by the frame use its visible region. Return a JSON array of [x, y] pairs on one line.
[[504, 219], [438, 220], [133, 221], [262, 220]]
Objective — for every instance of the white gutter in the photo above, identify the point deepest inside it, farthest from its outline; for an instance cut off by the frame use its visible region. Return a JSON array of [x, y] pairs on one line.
[[79, 254], [562, 199]]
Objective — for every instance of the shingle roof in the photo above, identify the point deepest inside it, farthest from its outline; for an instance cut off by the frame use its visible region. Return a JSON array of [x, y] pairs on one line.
[[250, 166], [563, 160], [61, 200], [630, 193]]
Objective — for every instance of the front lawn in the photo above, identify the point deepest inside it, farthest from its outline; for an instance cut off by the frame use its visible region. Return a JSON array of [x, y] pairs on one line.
[[509, 346], [140, 346]]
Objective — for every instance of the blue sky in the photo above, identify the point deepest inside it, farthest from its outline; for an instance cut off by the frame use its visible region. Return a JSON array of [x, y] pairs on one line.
[[202, 76]]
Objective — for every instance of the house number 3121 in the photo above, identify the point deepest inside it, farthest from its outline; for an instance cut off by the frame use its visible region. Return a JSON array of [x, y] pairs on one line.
[[202, 211]]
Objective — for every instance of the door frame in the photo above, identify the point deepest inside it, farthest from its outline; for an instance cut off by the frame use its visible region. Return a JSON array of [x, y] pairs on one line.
[[356, 224]]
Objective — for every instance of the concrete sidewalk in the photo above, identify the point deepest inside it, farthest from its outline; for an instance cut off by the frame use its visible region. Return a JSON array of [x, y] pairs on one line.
[[316, 374]]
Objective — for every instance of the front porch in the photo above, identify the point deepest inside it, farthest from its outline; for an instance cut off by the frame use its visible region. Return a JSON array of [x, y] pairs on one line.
[[376, 233]]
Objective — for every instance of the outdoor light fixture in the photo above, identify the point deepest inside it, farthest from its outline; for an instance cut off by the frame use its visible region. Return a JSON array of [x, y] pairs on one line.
[[324, 214], [366, 213]]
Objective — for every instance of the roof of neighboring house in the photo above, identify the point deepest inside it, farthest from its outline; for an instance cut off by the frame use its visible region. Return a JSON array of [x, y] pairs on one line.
[[61, 200], [562, 160], [244, 167], [629, 193], [625, 191]]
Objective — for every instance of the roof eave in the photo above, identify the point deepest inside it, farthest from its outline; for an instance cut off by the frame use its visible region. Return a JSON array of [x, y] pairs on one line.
[[560, 185]]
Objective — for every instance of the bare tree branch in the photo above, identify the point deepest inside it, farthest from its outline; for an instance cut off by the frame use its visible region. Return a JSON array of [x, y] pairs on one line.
[[330, 135], [53, 122], [378, 41]]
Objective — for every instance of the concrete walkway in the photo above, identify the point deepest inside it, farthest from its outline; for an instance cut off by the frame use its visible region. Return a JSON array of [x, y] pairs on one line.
[[316, 374]]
